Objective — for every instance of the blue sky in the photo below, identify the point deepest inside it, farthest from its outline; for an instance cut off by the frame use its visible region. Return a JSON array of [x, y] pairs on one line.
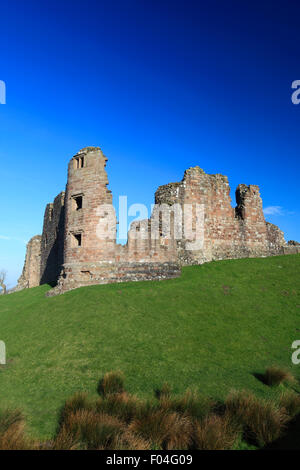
[[160, 86]]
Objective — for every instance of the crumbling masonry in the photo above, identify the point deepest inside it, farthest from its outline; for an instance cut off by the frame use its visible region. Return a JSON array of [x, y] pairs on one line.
[[78, 245]]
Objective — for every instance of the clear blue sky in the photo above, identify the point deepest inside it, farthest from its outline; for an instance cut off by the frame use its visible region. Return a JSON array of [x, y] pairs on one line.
[[160, 86]]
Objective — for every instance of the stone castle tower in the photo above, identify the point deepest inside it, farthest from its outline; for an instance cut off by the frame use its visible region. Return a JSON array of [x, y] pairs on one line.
[[86, 192], [78, 244]]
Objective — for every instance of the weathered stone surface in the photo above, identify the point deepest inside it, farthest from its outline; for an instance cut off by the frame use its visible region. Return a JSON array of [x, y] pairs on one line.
[[97, 258], [78, 245], [293, 243], [275, 239], [228, 232], [78, 275], [52, 243], [31, 274], [290, 250]]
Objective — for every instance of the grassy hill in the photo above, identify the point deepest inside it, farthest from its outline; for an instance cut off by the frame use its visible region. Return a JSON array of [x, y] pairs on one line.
[[214, 329]]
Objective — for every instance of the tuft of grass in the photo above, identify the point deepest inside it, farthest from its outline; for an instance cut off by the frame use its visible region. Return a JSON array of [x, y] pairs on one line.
[[215, 433], [262, 421], [65, 440], [111, 383], [163, 429], [121, 405], [189, 404], [130, 441], [9, 418], [12, 436], [180, 431], [277, 375], [92, 430], [119, 421], [291, 403], [79, 401], [164, 392]]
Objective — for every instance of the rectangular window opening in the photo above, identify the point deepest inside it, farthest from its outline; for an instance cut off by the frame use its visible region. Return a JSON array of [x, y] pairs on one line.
[[77, 202], [77, 239], [78, 162]]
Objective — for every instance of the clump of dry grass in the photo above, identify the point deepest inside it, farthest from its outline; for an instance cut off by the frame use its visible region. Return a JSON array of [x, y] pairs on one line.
[[9, 418], [12, 436], [215, 433], [179, 436], [291, 403], [277, 375], [79, 401], [164, 392], [14, 439], [190, 404], [121, 405], [261, 420], [111, 383], [65, 440], [167, 430], [130, 441], [91, 430], [120, 421]]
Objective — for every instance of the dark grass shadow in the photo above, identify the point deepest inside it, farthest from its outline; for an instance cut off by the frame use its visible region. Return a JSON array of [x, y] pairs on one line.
[[261, 378], [295, 386], [290, 440], [100, 388]]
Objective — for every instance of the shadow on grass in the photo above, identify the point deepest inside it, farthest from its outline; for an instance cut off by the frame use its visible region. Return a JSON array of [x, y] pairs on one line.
[[291, 439], [260, 377]]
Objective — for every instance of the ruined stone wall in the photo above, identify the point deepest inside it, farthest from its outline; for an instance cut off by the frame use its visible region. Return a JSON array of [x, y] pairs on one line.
[[52, 244], [275, 237], [31, 273], [228, 232], [290, 250], [91, 254], [192, 222], [292, 247], [86, 193], [86, 198]]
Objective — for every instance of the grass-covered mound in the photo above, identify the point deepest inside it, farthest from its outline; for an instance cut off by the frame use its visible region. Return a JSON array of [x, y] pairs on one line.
[[216, 328]]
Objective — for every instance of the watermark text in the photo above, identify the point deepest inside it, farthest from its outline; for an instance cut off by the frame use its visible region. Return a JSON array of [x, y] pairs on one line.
[[296, 94], [2, 353], [2, 92]]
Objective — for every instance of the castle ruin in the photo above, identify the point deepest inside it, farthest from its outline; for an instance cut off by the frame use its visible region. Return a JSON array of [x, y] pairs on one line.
[[78, 245]]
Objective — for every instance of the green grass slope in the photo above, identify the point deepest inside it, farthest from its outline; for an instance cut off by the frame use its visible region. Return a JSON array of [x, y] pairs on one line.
[[213, 328]]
